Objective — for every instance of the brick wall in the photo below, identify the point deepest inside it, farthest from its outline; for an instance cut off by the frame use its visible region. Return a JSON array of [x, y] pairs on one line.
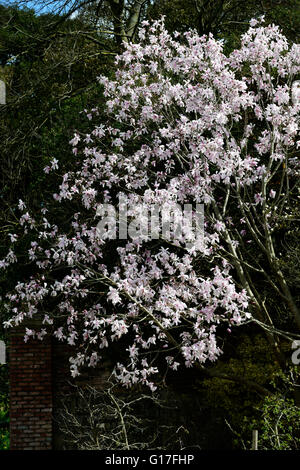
[[30, 394], [39, 379]]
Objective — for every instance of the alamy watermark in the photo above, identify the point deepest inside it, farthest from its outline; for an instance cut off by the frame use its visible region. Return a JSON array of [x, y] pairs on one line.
[[2, 92], [170, 221], [296, 353], [2, 352]]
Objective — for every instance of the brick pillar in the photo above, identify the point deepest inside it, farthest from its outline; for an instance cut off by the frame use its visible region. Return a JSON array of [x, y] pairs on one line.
[[30, 394]]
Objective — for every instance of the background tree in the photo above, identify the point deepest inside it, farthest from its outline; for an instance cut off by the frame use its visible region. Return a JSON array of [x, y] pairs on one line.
[[120, 17], [227, 19]]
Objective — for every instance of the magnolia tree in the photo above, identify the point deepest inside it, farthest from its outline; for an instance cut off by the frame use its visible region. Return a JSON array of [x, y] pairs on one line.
[[185, 127]]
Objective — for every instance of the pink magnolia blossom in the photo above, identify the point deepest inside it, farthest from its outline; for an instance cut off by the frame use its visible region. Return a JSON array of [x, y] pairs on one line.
[[179, 106]]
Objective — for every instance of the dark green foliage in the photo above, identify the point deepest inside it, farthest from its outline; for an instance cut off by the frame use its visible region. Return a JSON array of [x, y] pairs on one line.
[[279, 424]]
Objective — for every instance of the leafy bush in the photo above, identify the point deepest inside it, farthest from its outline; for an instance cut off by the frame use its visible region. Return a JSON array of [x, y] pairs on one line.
[[279, 425]]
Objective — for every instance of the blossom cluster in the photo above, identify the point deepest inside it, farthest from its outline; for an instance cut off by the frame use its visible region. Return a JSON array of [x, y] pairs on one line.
[[186, 124]]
